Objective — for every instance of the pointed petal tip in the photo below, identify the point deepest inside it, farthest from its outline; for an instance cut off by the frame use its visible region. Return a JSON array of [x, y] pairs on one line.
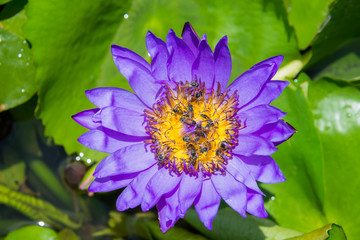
[[187, 26], [113, 47], [208, 225], [171, 31], [122, 207], [203, 38], [145, 207]]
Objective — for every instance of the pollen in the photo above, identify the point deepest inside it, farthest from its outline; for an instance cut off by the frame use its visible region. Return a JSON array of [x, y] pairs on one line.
[[193, 129]]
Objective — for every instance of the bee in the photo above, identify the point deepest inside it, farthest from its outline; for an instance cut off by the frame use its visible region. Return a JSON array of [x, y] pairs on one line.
[[192, 154], [177, 110], [204, 150], [199, 94], [205, 147], [194, 84], [162, 153], [223, 145], [210, 122], [188, 121], [199, 131], [222, 148], [190, 111], [190, 138]]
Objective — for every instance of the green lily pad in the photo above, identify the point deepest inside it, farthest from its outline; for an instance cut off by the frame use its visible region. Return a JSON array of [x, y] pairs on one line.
[[70, 53], [307, 17], [296, 203], [337, 118], [330, 231], [342, 27], [343, 65], [228, 224], [13, 18], [32, 232], [17, 72]]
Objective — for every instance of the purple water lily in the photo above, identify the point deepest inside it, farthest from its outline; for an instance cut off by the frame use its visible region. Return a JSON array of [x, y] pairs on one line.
[[186, 138]]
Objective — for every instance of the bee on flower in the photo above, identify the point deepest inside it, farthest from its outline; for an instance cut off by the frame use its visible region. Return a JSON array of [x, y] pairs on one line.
[[185, 137]]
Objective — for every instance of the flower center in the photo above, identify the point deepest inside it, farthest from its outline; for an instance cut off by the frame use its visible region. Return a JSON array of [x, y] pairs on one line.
[[193, 129]]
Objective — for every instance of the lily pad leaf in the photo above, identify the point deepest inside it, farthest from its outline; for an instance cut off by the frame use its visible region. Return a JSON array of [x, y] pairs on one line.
[[32, 232], [330, 231], [301, 160], [337, 117], [343, 65], [342, 27], [307, 17], [228, 224], [17, 73], [71, 62]]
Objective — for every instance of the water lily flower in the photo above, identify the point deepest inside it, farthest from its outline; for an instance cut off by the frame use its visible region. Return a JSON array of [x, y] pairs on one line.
[[185, 137]]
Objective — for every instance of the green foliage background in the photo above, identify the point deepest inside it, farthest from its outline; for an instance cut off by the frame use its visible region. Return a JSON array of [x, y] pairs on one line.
[[52, 51]]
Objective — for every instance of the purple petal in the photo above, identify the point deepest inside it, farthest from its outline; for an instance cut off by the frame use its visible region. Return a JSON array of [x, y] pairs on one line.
[[242, 173], [250, 83], [232, 191], [255, 118], [168, 208], [207, 203], [111, 183], [123, 120], [263, 168], [255, 205], [250, 145], [190, 187], [270, 92], [161, 183], [277, 60], [118, 51], [190, 38], [133, 194], [180, 60], [108, 141], [139, 78], [85, 118], [204, 65], [129, 159], [276, 132], [117, 97], [222, 63], [159, 56]]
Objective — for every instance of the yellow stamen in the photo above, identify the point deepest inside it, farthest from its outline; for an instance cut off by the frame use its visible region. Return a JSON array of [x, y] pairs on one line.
[[193, 130]]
